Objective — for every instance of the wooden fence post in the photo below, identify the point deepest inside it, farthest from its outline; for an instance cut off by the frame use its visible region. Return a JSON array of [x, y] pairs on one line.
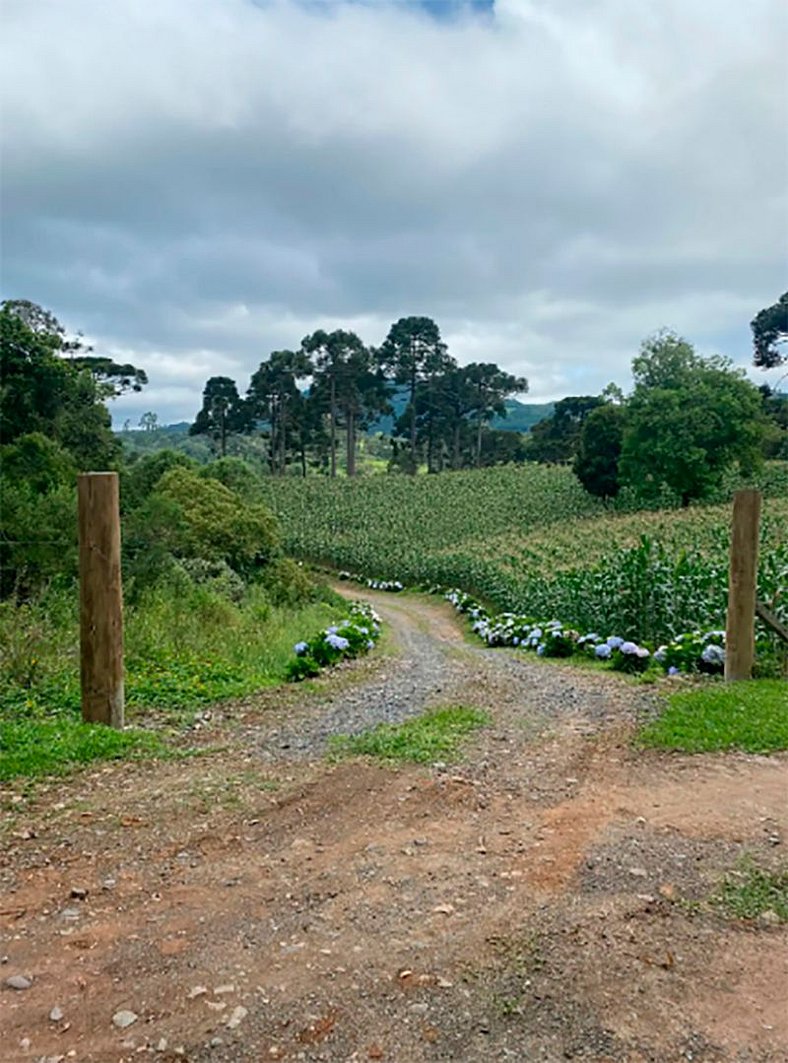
[[740, 630], [100, 599]]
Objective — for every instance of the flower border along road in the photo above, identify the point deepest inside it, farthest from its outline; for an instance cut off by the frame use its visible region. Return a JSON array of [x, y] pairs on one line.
[[353, 636], [691, 652]]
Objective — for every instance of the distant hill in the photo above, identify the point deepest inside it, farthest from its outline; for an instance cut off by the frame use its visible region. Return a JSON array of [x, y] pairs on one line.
[[521, 416]]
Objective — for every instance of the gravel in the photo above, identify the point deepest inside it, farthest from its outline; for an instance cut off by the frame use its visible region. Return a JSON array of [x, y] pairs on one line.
[[434, 666]]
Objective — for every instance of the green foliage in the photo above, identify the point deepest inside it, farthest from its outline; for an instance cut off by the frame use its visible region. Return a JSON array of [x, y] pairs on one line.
[[30, 748], [41, 391], [215, 524], [185, 646], [38, 535], [687, 421], [751, 716], [599, 450], [434, 736], [223, 412], [352, 636], [557, 437], [769, 330], [288, 583], [750, 890]]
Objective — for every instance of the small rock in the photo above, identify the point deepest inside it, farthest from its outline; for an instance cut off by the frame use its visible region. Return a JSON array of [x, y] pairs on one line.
[[124, 1018], [56, 1014], [79, 893], [108, 884], [769, 918], [638, 872], [197, 991], [18, 981], [162, 1045], [24, 1044], [239, 1013], [216, 1041], [222, 989], [70, 913]]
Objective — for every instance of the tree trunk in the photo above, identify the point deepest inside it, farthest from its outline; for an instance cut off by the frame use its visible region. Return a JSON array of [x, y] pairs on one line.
[[413, 463], [350, 420], [333, 426], [479, 443]]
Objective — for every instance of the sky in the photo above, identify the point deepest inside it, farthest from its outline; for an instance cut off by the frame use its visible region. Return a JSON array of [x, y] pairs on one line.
[[196, 183]]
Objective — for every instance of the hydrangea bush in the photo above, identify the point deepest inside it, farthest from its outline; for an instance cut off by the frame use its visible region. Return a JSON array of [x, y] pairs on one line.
[[352, 636]]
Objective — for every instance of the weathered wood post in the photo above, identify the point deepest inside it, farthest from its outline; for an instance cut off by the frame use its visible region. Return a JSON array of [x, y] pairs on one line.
[[740, 630], [100, 599]]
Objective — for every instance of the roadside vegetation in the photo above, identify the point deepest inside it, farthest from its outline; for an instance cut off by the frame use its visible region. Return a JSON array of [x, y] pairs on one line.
[[434, 736], [751, 716]]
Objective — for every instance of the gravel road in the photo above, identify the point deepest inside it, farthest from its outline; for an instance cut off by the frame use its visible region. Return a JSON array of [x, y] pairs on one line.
[[430, 664]]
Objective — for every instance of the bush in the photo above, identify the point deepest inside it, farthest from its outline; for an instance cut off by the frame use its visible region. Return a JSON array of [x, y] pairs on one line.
[[216, 524], [288, 583]]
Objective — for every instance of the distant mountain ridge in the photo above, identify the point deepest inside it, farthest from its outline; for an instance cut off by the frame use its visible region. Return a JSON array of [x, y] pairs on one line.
[[521, 417]]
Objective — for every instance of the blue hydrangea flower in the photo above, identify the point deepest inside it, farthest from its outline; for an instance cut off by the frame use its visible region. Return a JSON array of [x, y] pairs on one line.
[[642, 652], [370, 645], [673, 670], [337, 641], [603, 651], [515, 641], [540, 649], [713, 654], [661, 654], [614, 642], [300, 648], [630, 648]]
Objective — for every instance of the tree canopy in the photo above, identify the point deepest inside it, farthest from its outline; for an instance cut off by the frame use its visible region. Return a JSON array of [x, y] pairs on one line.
[[769, 331]]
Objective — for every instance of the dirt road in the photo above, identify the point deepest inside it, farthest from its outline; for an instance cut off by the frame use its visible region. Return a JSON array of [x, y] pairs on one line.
[[533, 901]]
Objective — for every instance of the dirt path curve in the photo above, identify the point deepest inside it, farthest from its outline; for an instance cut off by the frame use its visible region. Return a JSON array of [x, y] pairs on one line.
[[534, 901]]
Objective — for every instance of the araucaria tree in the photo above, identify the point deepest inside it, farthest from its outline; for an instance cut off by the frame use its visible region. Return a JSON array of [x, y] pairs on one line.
[[223, 412], [347, 385], [688, 419], [414, 353], [274, 399], [769, 330]]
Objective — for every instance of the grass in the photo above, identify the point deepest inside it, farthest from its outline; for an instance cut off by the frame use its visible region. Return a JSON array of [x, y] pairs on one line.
[[32, 748], [181, 650], [750, 891], [751, 716], [435, 735]]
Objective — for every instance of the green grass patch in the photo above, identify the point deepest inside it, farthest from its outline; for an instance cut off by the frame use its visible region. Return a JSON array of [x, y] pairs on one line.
[[182, 650], [751, 716], [31, 748], [750, 891], [436, 735]]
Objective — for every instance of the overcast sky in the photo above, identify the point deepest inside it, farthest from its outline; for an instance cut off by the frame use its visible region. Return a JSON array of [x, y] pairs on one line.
[[195, 183]]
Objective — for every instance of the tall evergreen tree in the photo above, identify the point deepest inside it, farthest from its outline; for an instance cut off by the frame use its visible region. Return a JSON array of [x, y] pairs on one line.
[[223, 412], [414, 353]]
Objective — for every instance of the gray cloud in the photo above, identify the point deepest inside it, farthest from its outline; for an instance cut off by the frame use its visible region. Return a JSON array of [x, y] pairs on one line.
[[198, 183]]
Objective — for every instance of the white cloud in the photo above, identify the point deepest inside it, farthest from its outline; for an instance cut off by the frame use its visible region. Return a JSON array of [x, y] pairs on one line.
[[199, 182]]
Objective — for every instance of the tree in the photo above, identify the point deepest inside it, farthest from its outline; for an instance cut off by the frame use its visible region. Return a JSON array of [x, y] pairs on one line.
[[557, 438], [489, 387], [414, 353], [688, 420], [273, 398], [769, 330], [149, 422], [41, 391], [223, 412], [599, 450]]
